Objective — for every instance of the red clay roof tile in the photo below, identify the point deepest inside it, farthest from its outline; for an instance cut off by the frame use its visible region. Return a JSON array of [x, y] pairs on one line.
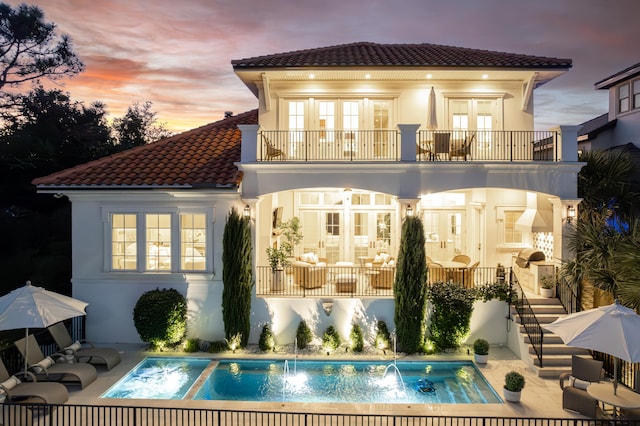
[[373, 54], [202, 157]]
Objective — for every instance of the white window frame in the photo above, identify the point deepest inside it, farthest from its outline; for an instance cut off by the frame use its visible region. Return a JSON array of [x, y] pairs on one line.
[[141, 240], [500, 220]]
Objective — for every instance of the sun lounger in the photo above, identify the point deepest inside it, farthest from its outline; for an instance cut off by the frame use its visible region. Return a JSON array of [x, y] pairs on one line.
[[15, 390], [83, 351], [47, 370]]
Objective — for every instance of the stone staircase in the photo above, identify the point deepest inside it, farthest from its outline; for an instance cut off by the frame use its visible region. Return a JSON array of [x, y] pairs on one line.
[[556, 355]]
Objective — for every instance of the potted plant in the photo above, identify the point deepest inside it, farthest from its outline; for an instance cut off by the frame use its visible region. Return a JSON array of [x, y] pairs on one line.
[[547, 286], [513, 384], [277, 257], [481, 351]]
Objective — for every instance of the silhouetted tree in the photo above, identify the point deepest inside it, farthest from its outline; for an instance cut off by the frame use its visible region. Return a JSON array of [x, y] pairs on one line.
[[138, 126]]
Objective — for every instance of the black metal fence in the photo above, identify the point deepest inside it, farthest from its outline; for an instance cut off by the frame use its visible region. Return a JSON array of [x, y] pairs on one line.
[[90, 415]]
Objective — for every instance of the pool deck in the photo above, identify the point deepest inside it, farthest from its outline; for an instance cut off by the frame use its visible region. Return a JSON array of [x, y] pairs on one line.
[[540, 397]]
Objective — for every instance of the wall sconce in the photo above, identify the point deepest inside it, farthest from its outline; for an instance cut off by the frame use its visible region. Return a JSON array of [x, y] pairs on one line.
[[327, 306], [571, 213], [247, 212], [409, 210]]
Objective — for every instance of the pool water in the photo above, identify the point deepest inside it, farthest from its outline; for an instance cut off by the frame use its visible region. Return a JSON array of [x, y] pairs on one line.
[[348, 382], [159, 378], [457, 382]]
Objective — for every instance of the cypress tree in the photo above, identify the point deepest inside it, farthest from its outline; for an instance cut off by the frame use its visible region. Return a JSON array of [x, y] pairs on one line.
[[237, 277], [410, 288]]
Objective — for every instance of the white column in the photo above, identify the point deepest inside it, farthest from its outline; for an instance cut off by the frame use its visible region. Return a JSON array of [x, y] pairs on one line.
[[408, 133], [249, 148], [568, 143]]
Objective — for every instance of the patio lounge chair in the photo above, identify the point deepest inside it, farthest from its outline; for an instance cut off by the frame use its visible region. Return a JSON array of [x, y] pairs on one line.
[[584, 371], [15, 390], [464, 150], [81, 352], [272, 151], [47, 370]]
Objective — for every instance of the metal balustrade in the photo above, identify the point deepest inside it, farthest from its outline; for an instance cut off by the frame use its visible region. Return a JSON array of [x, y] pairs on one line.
[[109, 415], [385, 145]]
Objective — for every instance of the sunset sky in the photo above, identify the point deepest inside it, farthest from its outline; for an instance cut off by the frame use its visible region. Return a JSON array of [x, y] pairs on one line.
[[177, 54]]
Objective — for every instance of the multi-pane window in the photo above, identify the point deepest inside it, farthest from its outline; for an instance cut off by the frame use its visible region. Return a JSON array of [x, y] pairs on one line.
[[124, 242], [636, 94], [193, 249], [158, 235], [326, 120], [623, 98], [144, 241], [511, 234]]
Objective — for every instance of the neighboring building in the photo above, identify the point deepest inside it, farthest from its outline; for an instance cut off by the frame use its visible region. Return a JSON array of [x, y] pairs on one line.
[[621, 125], [347, 139]]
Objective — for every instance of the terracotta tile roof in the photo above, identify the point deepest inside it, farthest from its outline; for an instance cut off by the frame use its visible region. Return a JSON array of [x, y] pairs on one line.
[[410, 55], [202, 157]]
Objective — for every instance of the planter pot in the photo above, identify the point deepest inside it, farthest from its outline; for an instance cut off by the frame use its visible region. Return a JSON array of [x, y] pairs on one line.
[[481, 359], [511, 396], [547, 292], [277, 280]]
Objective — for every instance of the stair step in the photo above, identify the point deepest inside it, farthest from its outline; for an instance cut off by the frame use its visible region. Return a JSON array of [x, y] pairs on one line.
[[548, 338], [558, 349], [549, 309], [551, 372], [543, 318], [543, 301], [554, 361]]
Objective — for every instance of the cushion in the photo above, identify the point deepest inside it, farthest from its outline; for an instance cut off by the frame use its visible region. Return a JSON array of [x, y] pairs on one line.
[[41, 366], [301, 263], [75, 347], [309, 258], [10, 383], [345, 279], [378, 258], [391, 263], [578, 384]]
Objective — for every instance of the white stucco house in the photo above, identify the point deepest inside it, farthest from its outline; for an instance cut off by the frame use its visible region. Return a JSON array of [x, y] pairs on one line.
[[349, 139]]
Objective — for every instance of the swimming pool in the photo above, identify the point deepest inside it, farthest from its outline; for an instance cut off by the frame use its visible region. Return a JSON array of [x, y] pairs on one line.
[[436, 382]]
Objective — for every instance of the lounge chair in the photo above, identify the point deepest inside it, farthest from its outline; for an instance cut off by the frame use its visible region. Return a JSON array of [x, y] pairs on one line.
[[584, 371], [464, 150], [272, 151], [47, 370], [16, 391], [81, 352]]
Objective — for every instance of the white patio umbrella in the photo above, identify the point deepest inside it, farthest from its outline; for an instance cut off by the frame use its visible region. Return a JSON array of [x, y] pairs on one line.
[[612, 329], [34, 307], [432, 119]]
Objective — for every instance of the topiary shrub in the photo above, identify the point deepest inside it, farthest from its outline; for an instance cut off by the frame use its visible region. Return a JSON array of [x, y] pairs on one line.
[[267, 341], [357, 339], [383, 337], [160, 317], [330, 339], [303, 335]]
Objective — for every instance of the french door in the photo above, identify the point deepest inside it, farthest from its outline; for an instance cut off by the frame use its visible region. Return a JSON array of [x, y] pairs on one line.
[[444, 233], [346, 235]]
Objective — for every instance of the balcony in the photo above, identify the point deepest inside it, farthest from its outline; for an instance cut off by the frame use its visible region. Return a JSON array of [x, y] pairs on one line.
[[335, 281], [423, 146]]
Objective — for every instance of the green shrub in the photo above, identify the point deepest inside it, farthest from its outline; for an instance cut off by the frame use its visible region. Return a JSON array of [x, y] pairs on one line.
[[497, 290], [330, 339], [218, 346], [357, 339], [267, 342], [160, 317], [383, 338], [481, 347], [513, 381], [303, 335], [191, 345], [452, 306]]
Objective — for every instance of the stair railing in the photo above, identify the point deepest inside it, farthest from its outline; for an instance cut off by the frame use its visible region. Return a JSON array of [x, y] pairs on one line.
[[527, 317], [568, 294]]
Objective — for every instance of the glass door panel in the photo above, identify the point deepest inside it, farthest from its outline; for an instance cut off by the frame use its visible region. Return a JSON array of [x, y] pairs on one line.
[[444, 233]]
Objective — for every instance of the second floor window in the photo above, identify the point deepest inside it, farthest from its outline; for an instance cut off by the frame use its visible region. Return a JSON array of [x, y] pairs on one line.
[[623, 98]]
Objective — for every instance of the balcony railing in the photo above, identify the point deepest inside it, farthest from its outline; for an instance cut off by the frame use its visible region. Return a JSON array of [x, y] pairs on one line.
[[319, 145], [386, 145], [353, 281]]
